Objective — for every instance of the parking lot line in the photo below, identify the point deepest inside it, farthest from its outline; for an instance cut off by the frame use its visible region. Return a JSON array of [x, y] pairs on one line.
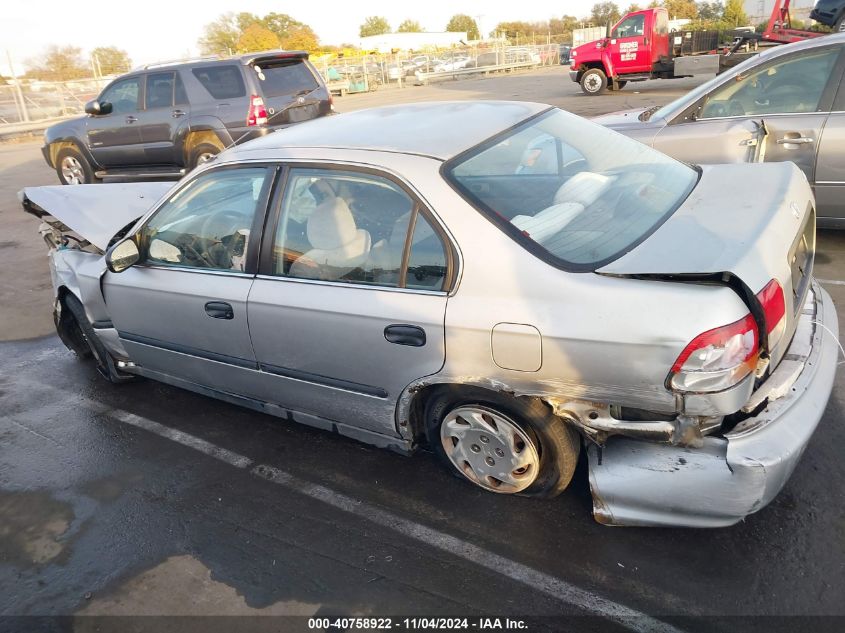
[[547, 584]]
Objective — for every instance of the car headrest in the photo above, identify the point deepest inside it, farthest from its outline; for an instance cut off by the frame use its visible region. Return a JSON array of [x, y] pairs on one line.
[[331, 225], [584, 188]]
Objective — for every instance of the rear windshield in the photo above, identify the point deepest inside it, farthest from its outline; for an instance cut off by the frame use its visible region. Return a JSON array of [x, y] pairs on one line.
[[221, 82], [286, 78], [571, 191]]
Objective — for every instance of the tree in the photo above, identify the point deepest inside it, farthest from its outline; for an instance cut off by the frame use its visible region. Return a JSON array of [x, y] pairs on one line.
[[301, 38], [634, 7], [58, 63], [257, 38], [409, 26], [681, 9], [462, 22], [563, 26], [110, 60], [224, 34], [604, 13], [374, 25], [734, 13], [514, 30], [710, 11]]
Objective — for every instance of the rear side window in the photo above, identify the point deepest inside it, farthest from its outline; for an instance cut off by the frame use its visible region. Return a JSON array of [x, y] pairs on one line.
[[289, 78], [221, 82], [159, 90]]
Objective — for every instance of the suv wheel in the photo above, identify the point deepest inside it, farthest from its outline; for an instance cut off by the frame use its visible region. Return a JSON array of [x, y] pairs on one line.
[[202, 153], [840, 24], [72, 167]]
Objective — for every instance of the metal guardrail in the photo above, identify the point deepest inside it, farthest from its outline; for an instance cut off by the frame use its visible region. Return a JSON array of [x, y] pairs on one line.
[[425, 78]]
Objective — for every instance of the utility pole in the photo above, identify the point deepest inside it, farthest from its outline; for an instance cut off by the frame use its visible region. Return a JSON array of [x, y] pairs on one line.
[[19, 99]]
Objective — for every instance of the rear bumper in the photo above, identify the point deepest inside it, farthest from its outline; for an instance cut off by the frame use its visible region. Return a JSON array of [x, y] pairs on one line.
[[640, 483], [827, 18]]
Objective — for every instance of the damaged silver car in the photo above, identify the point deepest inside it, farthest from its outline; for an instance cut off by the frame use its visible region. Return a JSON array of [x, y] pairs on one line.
[[503, 282]]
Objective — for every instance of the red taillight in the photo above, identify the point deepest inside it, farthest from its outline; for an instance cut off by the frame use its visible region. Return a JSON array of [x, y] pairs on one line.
[[257, 114], [774, 310], [720, 337]]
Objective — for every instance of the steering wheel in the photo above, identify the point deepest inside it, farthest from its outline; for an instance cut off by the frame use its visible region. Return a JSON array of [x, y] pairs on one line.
[[211, 237]]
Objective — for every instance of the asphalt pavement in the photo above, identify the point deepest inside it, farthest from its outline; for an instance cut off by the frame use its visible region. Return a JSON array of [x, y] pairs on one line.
[[144, 500]]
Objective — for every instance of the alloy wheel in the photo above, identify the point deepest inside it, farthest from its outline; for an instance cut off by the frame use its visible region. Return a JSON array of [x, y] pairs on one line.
[[72, 171]]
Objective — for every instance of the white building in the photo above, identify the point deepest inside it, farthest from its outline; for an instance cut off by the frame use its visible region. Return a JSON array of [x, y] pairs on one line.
[[411, 41]]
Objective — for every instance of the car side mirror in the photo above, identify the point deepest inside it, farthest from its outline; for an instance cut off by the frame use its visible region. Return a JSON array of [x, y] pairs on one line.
[[96, 107], [122, 255]]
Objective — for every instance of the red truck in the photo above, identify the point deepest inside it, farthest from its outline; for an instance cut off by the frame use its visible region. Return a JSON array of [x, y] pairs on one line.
[[641, 47]]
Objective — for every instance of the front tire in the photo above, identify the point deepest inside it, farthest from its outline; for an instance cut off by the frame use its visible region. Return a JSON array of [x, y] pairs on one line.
[[593, 82], [500, 443], [840, 24], [83, 334], [73, 168]]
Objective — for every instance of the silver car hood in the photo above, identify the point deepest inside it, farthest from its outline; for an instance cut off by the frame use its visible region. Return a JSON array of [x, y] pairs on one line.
[[96, 212], [621, 118]]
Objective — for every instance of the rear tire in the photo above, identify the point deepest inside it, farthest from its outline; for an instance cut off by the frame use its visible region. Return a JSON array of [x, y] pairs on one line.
[[202, 153], [549, 445], [840, 24], [593, 82], [73, 168]]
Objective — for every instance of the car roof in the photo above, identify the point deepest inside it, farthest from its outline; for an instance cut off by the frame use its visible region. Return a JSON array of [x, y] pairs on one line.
[[440, 129], [815, 42]]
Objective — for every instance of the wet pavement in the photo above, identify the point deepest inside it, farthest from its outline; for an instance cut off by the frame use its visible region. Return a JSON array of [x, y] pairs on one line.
[[142, 499]]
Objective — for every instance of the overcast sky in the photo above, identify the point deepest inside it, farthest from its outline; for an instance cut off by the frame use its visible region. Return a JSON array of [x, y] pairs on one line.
[[165, 29]]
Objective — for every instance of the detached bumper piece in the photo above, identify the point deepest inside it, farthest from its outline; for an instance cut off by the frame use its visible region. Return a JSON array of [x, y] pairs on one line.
[[641, 483]]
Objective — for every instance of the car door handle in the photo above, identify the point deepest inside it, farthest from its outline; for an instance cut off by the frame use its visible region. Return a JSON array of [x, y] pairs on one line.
[[131, 119], [219, 310], [178, 113], [798, 140], [405, 335]]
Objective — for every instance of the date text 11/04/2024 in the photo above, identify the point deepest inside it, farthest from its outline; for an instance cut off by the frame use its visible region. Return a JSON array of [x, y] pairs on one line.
[[416, 623]]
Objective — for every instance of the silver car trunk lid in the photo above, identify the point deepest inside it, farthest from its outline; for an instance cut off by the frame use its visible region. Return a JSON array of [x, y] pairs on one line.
[[756, 222], [96, 212]]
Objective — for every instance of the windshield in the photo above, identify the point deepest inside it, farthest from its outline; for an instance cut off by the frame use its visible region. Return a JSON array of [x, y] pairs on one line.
[[673, 108], [570, 189]]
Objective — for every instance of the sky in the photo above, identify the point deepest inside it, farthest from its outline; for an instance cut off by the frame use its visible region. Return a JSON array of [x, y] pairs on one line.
[[156, 30]]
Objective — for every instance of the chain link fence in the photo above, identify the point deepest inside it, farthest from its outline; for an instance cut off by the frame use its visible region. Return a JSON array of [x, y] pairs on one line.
[[351, 74], [24, 103], [34, 101]]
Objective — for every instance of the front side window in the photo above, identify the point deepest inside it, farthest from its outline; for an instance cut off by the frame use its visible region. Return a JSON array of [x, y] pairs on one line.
[[346, 226], [789, 86], [630, 27], [123, 95], [207, 223], [571, 190]]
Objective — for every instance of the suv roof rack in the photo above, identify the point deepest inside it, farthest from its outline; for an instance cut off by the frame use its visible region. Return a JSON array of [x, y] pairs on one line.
[[172, 62]]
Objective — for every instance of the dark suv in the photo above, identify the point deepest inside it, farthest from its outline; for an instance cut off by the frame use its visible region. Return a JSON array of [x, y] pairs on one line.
[[830, 13], [163, 120]]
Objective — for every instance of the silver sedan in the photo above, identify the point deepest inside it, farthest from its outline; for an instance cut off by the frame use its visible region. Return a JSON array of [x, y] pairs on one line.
[[786, 104], [505, 283]]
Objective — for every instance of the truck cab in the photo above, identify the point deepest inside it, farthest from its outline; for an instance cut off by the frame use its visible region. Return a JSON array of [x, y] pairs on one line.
[[637, 47]]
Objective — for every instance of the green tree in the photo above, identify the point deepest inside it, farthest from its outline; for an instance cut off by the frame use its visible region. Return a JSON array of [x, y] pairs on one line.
[[563, 25], [514, 30], [374, 25], [634, 7], [283, 25], [461, 22], [604, 13], [710, 11], [257, 38], [221, 36], [58, 63], [734, 13], [409, 26], [681, 9], [110, 60]]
